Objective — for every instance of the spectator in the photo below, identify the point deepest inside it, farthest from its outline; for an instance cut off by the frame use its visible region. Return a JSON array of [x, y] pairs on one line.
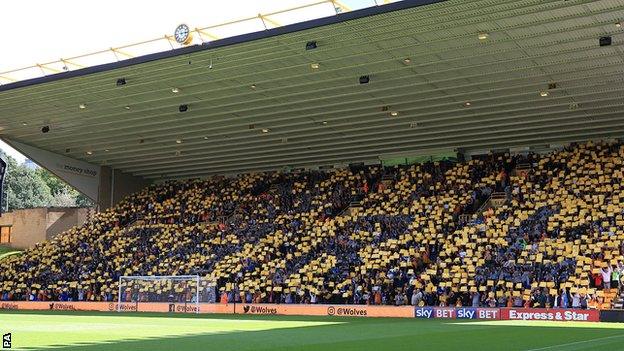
[[416, 297], [606, 277]]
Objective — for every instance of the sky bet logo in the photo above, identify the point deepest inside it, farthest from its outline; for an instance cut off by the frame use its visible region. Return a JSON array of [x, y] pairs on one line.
[[437, 312], [457, 313], [466, 313], [477, 313], [6, 341], [424, 312]]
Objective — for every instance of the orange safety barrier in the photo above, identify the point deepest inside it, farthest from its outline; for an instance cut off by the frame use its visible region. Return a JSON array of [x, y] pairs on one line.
[[266, 309], [326, 310]]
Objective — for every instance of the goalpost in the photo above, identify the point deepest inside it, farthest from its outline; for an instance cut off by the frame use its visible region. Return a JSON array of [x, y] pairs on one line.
[[175, 289]]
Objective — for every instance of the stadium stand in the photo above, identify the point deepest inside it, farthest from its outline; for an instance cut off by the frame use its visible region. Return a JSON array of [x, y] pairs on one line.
[[499, 230]]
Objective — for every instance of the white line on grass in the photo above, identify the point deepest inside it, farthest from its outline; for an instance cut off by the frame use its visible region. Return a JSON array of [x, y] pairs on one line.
[[577, 342]]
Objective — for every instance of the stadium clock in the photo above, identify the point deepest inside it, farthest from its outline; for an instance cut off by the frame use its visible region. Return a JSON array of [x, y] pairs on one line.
[[183, 35]]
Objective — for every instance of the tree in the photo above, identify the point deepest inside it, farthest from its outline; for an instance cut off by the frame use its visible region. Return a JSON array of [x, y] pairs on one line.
[[55, 184], [83, 201], [24, 187], [63, 199], [64, 195]]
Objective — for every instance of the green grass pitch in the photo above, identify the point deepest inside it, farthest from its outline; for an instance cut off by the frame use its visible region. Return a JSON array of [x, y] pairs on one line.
[[150, 331]]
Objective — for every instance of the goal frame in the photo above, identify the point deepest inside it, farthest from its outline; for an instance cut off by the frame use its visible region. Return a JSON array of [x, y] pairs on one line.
[[195, 278]]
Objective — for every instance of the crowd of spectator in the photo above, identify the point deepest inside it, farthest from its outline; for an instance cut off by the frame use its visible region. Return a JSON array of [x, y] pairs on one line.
[[422, 234]]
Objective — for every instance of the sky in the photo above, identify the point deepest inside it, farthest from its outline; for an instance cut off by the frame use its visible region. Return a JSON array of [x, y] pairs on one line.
[[38, 31], [12, 152]]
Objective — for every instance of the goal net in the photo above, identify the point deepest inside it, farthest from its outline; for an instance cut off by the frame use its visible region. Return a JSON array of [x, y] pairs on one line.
[[187, 290]]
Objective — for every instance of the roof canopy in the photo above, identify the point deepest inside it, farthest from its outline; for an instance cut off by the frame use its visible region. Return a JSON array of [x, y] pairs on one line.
[[446, 75]]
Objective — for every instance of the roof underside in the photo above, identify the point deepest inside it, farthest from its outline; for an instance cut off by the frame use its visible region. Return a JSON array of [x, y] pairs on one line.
[[531, 43]]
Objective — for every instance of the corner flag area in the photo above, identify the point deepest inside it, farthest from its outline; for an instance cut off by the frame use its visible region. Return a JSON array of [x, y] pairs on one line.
[[111, 331]]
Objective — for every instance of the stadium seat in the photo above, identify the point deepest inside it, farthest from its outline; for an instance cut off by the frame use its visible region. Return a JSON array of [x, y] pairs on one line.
[[498, 230]]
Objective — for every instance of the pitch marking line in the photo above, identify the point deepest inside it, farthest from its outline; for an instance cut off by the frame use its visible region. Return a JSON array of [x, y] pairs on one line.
[[576, 343]]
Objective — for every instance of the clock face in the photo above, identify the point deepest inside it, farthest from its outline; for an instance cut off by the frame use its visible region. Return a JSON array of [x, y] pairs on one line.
[[182, 34]]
